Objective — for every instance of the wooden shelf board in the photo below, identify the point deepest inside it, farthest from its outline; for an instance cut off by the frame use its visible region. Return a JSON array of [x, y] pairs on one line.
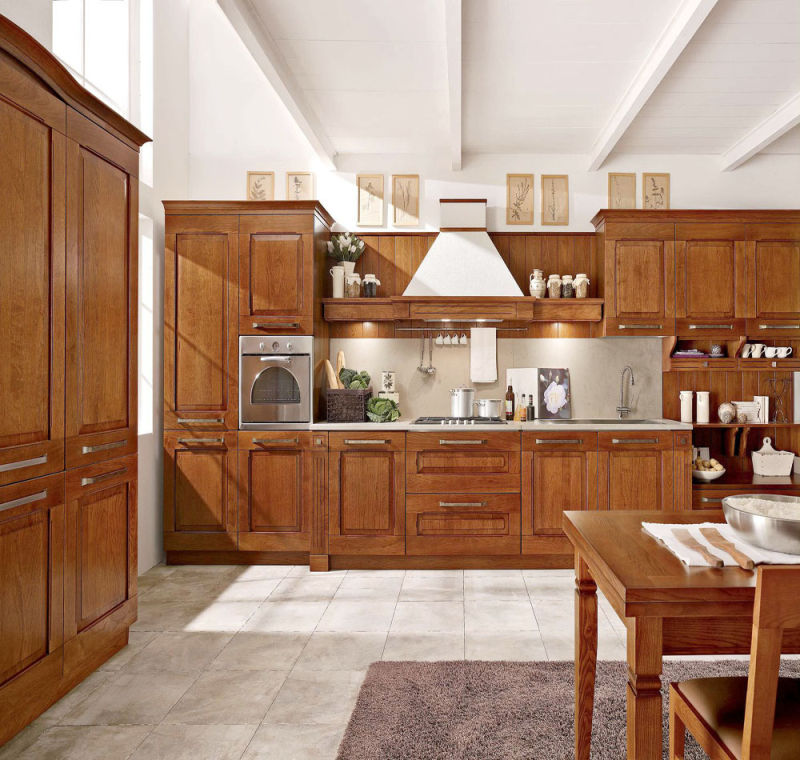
[[745, 424]]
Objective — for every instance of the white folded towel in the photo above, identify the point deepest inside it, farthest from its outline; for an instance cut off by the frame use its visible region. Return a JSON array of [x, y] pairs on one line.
[[483, 355], [663, 533]]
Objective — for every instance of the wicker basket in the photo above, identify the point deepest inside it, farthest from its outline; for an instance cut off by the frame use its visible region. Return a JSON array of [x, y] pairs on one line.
[[345, 405]]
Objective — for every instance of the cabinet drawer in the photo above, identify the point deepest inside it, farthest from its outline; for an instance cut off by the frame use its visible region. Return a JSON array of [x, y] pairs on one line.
[[459, 523], [572, 440], [369, 441], [711, 498], [638, 440], [461, 462]]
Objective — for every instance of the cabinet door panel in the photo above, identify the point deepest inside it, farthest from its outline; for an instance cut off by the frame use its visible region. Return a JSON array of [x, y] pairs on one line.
[[101, 541], [639, 278], [31, 572], [199, 491], [101, 306], [777, 271], [201, 336], [559, 483], [32, 218]]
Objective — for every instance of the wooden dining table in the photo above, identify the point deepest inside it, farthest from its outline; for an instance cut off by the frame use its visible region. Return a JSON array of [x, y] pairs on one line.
[[668, 608]]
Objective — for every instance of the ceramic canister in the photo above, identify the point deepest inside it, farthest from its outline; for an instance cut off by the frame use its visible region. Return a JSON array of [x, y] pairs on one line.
[[686, 405], [337, 274], [702, 407]]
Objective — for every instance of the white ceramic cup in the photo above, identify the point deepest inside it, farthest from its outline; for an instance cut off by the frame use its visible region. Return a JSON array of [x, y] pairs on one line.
[[770, 352], [757, 350], [747, 349], [686, 405], [784, 351]]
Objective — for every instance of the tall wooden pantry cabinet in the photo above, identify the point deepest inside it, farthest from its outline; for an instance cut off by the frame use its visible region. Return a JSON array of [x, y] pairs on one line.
[[68, 269]]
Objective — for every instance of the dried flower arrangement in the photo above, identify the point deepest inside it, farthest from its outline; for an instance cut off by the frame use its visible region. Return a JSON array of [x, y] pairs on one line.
[[345, 247]]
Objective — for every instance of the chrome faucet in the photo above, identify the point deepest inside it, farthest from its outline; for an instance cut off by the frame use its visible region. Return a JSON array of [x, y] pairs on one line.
[[623, 410]]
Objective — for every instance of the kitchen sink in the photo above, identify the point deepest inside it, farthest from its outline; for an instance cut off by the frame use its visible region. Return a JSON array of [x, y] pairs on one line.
[[608, 421]]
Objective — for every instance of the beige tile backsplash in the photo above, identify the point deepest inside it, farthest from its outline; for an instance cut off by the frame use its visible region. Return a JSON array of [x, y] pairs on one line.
[[594, 364]]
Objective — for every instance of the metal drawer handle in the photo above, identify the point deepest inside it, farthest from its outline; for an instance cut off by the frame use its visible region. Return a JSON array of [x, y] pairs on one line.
[[199, 420], [462, 503], [459, 442], [711, 327], [634, 440], [640, 327], [779, 327], [201, 440], [275, 441], [102, 447], [104, 476], [270, 325], [706, 500], [23, 500], [23, 463], [559, 440], [364, 442]]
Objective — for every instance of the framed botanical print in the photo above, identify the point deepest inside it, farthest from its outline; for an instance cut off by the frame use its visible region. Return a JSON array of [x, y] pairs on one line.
[[655, 191], [299, 186], [260, 186], [555, 199], [621, 190], [519, 198], [370, 200], [405, 200]]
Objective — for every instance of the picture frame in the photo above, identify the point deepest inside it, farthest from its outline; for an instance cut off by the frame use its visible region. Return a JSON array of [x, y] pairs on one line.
[[553, 396], [405, 200], [622, 189], [370, 200], [519, 198], [299, 186], [260, 186], [555, 200], [655, 191]]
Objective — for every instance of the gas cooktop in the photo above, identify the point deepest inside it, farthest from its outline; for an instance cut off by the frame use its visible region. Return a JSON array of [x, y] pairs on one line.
[[459, 421]]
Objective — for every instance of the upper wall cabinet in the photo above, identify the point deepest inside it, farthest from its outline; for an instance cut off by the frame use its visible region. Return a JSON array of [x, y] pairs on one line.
[[773, 263], [201, 300], [102, 215], [639, 277], [31, 278], [710, 293]]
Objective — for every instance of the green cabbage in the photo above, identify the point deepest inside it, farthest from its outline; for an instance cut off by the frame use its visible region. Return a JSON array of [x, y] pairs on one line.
[[353, 379], [382, 410]]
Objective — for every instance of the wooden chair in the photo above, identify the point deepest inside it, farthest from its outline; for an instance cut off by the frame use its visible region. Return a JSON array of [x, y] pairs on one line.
[[736, 718]]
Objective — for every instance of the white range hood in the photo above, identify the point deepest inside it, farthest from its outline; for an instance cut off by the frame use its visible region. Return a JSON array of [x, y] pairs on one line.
[[462, 260]]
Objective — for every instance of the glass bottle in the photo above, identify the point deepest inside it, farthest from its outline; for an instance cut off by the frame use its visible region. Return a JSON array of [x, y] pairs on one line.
[[523, 409], [510, 403]]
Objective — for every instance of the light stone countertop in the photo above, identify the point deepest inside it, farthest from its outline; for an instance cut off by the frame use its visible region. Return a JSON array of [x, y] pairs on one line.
[[537, 426]]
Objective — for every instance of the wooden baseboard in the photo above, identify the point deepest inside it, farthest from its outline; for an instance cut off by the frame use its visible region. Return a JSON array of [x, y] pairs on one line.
[[236, 558], [319, 563], [503, 562]]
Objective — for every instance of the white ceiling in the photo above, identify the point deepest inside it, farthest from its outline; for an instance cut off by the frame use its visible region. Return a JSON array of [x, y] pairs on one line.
[[539, 76]]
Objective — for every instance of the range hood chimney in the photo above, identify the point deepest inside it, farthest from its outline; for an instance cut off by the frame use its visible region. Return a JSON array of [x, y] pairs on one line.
[[462, 260]]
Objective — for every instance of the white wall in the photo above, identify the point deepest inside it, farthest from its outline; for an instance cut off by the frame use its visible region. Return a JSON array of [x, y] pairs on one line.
[[34, 16]]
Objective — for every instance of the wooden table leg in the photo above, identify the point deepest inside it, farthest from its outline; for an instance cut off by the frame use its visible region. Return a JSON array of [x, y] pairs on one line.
[[645, 739], [585, 656]]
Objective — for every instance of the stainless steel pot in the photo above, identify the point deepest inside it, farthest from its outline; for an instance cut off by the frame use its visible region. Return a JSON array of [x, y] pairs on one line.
[[490, 407], [773, 533], [461, 400]]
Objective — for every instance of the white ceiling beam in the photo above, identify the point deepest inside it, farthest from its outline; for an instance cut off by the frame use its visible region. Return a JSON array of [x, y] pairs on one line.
[[769, 130], [681, 28], [270, 60], [452, 27]]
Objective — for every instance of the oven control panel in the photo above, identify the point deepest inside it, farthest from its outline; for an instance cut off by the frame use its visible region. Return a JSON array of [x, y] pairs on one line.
[[275, 344]]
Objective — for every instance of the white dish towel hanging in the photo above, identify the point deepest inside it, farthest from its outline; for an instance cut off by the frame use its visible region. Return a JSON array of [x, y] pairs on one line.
[[483, 355]]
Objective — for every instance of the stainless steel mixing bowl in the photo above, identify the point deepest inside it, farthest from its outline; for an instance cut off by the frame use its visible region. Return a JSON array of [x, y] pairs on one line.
[[772, 533]]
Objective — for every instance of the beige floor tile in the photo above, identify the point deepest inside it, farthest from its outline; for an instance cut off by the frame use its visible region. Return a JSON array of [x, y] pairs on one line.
[[517, 645], [549, 572], [485, 616], [153, 577], [493, 587], [341, 651], [240, 697], [312, 588], [360, 587], [428, 647], [295, 741], [395, 573], [262, 572], [87, 743], [129, 698], [198, 572], [200, 589], [256, 650], [432, 588], [299, 571], [434, 574], [165, 615], [286, 616], [421, 617], [551, 588], [248, 591], [137, 640], [222, 616], [174, 742], [484, 572], [16, 748], [78, 695], [322, 697], [366, 616], [179, 652]]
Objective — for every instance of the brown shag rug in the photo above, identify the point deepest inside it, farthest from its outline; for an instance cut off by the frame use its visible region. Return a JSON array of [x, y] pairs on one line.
[[498, 710]]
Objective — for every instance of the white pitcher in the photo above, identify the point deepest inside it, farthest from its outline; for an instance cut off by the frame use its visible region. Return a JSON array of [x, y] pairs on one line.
[[337, 273]]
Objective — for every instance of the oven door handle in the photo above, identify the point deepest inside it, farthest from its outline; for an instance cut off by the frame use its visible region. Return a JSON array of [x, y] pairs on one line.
[[285, 359]]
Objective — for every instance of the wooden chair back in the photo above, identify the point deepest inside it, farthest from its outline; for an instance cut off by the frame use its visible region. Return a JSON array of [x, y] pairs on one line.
[[777, 607]]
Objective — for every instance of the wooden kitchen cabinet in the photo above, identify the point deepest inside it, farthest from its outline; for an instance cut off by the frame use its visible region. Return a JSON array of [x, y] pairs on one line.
[[710, 281], [275, 491], [773, 270], [635, 470], [201, 313], [200, 489], [366, 493], [101, 303], [559, 472]]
